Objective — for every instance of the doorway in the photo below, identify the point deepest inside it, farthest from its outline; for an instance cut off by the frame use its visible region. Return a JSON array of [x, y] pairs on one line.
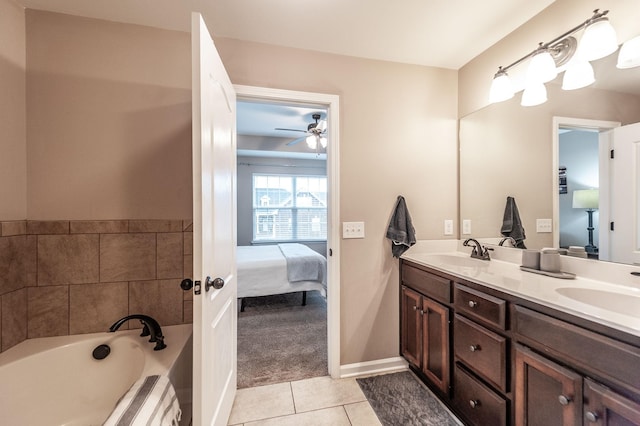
[[581, 183], [330, 104]]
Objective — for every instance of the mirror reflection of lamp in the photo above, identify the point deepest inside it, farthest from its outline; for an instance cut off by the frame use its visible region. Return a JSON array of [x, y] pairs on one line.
[[587, 199]]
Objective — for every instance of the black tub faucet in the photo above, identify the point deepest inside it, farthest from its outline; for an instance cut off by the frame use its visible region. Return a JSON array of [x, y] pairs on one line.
[[151, 328]]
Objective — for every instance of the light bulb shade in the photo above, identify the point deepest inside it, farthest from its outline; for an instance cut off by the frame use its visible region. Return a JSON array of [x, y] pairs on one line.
[[312, 141], [585, 199], [629, 56], [542, 68], [501, 88], [599, 40], [534, 94], [323, 142], [579, 74]]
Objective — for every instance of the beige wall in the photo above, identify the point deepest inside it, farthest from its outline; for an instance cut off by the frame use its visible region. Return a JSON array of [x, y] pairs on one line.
[[13, 153], [475, 77], [108, 120], [398, 136]]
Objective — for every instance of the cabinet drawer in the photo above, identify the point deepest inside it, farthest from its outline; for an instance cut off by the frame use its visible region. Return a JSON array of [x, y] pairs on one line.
[[480, 305], [577, 346], [482, 350], [477, 403], [436, 287]]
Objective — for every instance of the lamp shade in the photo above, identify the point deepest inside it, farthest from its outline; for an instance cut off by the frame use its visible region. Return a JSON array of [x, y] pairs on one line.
[[501, 88], [542, 68], [585, 199], [312, 141], [629, 56], [579, 74], [534, 94], [599, 40]]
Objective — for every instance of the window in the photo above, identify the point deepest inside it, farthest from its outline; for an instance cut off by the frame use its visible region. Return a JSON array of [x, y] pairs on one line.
[[289, 208]]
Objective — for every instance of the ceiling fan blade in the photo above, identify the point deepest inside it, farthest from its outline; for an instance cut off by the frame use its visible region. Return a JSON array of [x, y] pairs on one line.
[[291, 130], [322, 125], [295, 141]]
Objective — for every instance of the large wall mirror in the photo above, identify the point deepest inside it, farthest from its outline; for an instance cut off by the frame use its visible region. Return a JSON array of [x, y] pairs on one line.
[[510, 150]]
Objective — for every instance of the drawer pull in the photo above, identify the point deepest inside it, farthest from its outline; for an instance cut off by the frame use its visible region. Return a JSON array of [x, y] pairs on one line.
[[472, 304], [591, 416], [564, 400], [474, 348], [415, 308], [474, 403]]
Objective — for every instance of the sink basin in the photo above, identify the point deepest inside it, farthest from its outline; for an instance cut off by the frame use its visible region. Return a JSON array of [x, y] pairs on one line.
[[458, 261], [623, 303]]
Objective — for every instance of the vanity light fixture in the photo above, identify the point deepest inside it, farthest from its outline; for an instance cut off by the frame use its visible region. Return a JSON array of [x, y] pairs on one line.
[[598, 40]]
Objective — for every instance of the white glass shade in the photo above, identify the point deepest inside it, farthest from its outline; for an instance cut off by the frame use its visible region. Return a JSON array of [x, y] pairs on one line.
[[579, 74], [585, 199], [501, 88], [542, 68], [323, 142], [312, 141], [599, 40], [534, 94], [629, 56]]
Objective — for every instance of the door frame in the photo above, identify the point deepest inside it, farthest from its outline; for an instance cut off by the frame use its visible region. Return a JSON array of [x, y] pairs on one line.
[[603, 152], [332, 103]]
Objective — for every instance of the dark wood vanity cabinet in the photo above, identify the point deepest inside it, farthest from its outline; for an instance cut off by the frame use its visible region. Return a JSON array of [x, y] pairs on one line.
[[496, 359]]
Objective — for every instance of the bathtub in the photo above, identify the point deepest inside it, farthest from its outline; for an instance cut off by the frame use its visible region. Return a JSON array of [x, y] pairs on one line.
[[56, 380]]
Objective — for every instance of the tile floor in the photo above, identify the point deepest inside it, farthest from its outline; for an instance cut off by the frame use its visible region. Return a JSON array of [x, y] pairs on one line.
[[318, 401]]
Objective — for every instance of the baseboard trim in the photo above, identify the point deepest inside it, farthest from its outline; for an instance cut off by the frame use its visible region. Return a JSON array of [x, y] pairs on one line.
[[386, 365]]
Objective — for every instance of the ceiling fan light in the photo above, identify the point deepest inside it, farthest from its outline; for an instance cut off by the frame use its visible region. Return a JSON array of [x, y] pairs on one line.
[[312, 142], [579, 74], [501, 88], [629, 56], [542, 68], [534, 94], [323, 142], [599, 40]]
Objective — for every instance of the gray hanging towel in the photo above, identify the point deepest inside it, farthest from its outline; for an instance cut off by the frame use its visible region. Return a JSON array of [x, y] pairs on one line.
[[511, 223], [400, 230]]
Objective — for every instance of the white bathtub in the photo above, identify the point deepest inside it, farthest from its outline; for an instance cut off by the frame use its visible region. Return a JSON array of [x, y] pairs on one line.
[[56, 380]]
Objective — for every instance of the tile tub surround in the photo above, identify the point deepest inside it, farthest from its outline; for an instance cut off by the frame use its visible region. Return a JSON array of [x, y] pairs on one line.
[[74, 277]]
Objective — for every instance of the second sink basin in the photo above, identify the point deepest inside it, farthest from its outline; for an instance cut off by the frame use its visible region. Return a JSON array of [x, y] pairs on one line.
[[626, 304]]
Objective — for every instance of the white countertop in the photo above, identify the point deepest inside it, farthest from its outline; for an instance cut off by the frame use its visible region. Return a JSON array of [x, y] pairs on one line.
[[615, 304]]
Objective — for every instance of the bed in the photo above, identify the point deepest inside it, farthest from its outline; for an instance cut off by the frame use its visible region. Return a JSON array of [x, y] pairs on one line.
[[279, 268]]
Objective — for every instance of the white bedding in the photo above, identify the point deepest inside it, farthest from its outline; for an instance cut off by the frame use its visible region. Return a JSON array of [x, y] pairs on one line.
[[262, 271]]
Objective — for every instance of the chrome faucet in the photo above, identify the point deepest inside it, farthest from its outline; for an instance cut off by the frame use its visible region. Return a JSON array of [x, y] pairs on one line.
[[151, 328], [478, 251], [510, 239]]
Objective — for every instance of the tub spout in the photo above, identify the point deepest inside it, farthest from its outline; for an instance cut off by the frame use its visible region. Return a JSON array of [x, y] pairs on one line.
[[151, 328]]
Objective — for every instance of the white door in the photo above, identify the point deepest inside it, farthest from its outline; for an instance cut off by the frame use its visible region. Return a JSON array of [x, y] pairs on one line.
[[624, 239], [214, 233]]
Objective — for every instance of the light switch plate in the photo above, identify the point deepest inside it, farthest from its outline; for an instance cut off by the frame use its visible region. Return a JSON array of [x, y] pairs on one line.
[[448, 227], [544, 226], [352, 230], [466, 227]]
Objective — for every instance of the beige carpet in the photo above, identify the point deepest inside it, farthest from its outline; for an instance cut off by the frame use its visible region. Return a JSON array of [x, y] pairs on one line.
[[281, 341]]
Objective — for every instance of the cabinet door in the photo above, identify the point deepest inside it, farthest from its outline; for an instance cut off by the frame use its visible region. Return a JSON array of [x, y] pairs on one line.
[[411, 326], [435, 344], [606, 408], [547, 394]]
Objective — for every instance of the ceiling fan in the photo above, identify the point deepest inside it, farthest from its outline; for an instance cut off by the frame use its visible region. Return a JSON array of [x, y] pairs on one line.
[[315, 133]]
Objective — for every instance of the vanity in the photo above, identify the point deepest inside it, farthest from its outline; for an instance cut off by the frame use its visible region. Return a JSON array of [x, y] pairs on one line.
[[500, 346]]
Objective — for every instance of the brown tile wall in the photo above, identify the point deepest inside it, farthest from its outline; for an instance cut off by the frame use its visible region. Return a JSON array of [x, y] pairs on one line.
[[73, 277]]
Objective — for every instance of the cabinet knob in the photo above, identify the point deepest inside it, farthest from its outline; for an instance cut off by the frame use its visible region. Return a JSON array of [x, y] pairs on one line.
[[472, 304], [474, 348], [415, 308], [591, 416], [564, 400], [474, 403]]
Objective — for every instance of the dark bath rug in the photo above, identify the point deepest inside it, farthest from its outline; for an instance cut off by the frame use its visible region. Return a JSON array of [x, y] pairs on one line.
[[401, 399]]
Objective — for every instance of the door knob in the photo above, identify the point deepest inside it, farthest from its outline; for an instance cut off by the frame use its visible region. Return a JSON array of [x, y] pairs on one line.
[[186, 284], [216, 283]]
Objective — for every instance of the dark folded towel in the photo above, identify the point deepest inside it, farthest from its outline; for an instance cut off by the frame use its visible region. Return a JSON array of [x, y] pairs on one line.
[[400, 230], [511, 223]]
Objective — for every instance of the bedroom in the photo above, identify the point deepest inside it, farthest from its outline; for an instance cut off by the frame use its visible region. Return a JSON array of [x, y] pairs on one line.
[[282, 324]]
